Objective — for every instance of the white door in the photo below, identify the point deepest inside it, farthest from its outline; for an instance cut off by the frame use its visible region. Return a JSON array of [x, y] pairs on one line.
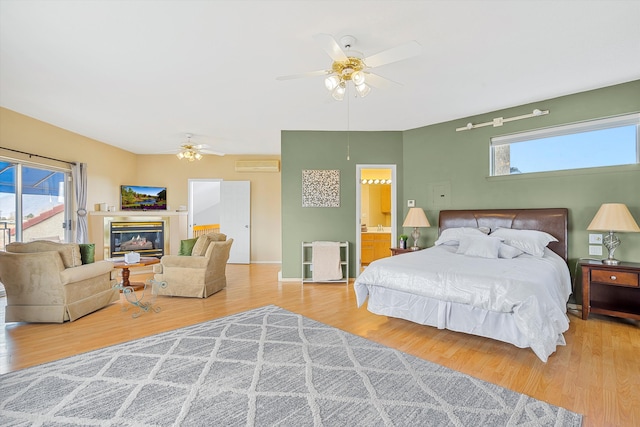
[[235, 218]]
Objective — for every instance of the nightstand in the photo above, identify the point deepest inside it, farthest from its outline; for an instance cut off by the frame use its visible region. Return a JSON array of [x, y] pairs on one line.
[[398, 251], [613, 290]]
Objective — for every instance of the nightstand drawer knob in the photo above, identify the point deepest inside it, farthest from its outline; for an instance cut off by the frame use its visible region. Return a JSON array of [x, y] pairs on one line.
[[613, 277]]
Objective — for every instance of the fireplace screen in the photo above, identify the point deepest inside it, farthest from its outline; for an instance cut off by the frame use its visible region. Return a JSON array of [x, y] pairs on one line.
[[146, 238]]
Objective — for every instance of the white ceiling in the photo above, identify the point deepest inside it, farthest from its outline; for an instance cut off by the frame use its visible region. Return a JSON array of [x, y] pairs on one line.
[[139, 75]]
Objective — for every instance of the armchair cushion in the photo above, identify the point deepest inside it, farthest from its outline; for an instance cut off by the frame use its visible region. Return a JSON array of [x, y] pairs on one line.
[[85, 271], [69, 252], [203, 241]]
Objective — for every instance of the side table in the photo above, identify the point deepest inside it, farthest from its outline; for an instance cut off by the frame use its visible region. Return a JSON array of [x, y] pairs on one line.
[[121, 264], [398, 251], [613, 290]]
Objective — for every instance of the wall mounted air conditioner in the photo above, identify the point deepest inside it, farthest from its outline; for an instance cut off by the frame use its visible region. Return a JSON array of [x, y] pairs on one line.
[[257, 165]]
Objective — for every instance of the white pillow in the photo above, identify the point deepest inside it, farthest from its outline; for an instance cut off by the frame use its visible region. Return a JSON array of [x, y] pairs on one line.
[[480, 246], [508, 252], [532, 242], [485, 230], [451, 236]]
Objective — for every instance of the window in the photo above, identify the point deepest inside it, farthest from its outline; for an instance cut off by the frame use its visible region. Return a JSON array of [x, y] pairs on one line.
[[33, 202], [605, 142]]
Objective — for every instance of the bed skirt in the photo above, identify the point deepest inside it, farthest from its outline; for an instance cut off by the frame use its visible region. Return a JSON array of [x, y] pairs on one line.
[[445, 315]]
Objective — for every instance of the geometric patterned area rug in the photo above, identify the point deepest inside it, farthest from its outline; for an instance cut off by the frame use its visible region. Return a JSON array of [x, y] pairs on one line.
[[262, 367]]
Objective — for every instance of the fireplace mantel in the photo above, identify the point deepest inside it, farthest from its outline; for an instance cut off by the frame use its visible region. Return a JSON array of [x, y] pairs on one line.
[[176, 227]]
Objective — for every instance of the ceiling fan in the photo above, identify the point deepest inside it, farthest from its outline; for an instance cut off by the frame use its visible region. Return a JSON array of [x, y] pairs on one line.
[[192, 152], [350, 65]]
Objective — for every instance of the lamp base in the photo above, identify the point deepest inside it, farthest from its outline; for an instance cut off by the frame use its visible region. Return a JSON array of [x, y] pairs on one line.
[[610, 261], [415, 248]]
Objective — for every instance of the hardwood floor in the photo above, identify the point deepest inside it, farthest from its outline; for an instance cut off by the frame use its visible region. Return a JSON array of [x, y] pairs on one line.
[[597, 374]]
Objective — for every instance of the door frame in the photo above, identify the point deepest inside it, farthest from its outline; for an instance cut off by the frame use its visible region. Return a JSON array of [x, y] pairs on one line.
[[190, 198], [394, 207]]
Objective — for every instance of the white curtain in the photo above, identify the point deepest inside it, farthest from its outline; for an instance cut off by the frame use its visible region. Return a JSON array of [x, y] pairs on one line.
[[79, 174]]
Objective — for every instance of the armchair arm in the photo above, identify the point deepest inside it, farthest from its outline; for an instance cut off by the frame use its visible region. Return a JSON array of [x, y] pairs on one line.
[[85, 271], [32, 278]]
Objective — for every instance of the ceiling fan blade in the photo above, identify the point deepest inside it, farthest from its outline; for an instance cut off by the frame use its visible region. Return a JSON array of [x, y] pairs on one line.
[[378, 81], [331, 46], [309, 74], [395, 54], [215, 153]]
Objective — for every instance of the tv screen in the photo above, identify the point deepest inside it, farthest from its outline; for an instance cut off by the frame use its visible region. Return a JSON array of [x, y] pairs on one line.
[[142, 198]]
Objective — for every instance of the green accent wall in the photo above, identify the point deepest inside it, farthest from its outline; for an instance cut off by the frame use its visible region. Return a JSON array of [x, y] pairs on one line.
[[437, 157], [308, 150]]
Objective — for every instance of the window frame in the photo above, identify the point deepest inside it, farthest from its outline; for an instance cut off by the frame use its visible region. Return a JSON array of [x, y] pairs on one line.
[[19, 193], [632, 119]]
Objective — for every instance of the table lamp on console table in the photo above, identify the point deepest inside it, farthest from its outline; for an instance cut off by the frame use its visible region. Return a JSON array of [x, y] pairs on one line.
[[613, 217], [416, 218]]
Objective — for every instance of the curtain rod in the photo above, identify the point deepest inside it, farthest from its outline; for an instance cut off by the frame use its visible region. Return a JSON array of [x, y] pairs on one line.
[[38, 155]]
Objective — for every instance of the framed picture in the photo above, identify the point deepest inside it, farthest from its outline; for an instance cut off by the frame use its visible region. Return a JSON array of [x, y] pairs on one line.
[[321, 188]]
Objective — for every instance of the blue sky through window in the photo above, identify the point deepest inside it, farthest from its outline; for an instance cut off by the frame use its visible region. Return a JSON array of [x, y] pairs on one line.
[[605, 147]]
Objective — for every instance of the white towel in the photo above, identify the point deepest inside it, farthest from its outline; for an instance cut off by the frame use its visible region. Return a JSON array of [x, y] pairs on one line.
[[325, 257]]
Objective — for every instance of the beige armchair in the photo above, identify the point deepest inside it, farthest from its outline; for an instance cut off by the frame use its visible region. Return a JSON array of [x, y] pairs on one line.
[[47, 282], [199, 275]]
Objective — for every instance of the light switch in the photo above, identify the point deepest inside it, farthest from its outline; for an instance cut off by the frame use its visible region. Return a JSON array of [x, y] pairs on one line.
[[595, 250], [411, 203], [595, 239]]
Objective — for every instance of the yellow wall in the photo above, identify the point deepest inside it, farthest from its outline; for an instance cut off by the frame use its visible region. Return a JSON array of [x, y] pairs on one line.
[[109, 167]]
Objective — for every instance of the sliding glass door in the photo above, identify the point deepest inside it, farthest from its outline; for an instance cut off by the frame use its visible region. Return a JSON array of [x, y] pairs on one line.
[[34, 203]]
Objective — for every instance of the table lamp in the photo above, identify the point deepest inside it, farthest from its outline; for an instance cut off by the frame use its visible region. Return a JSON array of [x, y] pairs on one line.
[[613, 217], [416, 218]]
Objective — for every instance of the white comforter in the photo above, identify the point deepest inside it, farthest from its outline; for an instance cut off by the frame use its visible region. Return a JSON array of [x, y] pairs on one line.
[[534, 290]]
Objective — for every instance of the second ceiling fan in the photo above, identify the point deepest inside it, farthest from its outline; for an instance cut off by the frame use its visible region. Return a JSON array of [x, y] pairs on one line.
[[350, 65]]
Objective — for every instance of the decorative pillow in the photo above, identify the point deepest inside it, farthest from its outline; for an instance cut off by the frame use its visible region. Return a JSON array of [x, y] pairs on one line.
[[532, 242], [202, 243], [508, 252], [479, 246], [88, 253], [200, 246], [451, 236], [186, 246]]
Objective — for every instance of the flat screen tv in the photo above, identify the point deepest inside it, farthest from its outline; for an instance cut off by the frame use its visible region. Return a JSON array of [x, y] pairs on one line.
[[142, 198]]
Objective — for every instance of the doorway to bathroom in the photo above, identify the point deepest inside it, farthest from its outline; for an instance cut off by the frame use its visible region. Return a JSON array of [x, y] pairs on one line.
[[375, 213]]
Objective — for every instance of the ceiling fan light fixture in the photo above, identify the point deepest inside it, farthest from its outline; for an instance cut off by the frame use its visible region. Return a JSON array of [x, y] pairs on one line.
[[339, 91], [358, 78], [363, 90], [189, 151], [331, 82]]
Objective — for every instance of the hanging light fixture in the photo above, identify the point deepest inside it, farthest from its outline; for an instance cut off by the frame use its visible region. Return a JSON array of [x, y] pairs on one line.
[[189, 151], [347, 70]]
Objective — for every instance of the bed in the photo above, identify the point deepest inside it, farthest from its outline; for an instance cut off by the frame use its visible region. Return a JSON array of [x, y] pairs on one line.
[[519, 298]]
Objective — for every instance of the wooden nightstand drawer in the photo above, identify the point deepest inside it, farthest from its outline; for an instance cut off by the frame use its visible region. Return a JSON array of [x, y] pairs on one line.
[[614, 277]]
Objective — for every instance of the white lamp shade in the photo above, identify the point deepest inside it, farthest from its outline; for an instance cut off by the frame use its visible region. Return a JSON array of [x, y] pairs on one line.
[[416, 218], [331, 82], [363, 90], [613, 217], [358, 78], [338, 92]]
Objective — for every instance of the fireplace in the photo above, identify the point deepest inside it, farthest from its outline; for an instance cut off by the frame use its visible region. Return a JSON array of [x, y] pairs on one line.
[[145, 237]]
